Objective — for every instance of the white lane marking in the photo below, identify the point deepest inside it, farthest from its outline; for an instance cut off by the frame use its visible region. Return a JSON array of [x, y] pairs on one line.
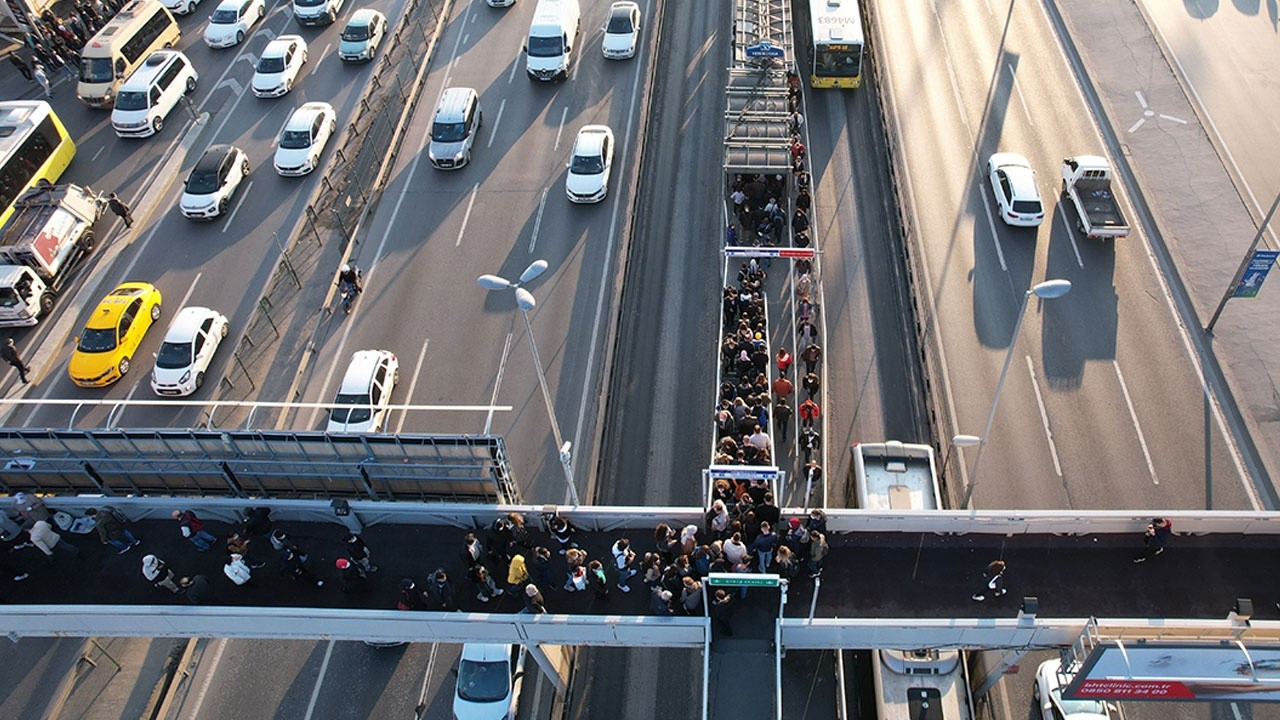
[[995, 234], [560, 130], [497, 382], [493, 129], [1013, 80], [95, 155], [426, 678], [605, 286], [1044, 417], [511, 76], [413, 384], [210, 672], [232, 216], [537, 221], [324, 668], [1133, 416], [1233, 449], [328, 46], [1063, 212], [466, 217]]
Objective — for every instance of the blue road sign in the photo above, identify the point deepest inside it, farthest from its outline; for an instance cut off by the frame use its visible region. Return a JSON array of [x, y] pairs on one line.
[[1251, 281], [764, 49]]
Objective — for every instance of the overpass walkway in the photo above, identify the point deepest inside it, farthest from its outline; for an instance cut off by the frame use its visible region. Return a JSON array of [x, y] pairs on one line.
[[894, 571]]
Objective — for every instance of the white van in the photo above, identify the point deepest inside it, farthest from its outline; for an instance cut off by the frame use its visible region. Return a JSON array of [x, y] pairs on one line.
[[552, 35], [120, 46], [147, 97], [454, 128]]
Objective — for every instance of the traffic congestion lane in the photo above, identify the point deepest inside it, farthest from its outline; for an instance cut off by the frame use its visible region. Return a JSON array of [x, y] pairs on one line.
[[237, 250], [458, 344], [1078, 410], [339, 680]]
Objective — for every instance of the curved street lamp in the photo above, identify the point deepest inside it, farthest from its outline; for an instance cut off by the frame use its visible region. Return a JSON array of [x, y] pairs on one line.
[[1047, 290], [526, 302]]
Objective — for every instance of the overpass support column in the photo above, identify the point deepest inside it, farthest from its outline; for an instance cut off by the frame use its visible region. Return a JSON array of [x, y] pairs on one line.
[[554, 661], [1026, 616]]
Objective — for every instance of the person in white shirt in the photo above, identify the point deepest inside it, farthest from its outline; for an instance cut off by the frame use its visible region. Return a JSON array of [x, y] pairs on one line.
[[236, 570], [49, 541]]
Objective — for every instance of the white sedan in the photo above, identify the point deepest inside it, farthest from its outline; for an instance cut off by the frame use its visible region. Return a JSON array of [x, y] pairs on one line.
[[231, 20], [180, 7], [588, 177], [1048, 693], [622, 32], [279, 66], [188, 348], [1014, 184], [212, 183], [303, 138]]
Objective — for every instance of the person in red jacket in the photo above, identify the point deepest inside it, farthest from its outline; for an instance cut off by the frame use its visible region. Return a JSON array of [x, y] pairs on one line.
[[809, 412]]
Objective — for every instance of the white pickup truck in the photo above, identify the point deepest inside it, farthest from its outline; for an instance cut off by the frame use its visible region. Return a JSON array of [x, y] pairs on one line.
[[1086, 180], [49, 233]]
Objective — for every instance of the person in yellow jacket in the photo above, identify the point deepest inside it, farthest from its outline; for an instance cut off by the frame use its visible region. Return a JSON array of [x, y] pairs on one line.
[[517, 575]]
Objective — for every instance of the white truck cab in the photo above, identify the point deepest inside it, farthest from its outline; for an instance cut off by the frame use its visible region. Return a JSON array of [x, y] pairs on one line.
[[552, 36]]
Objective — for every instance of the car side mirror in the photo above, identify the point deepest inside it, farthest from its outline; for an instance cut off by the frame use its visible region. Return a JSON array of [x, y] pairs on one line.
[[568, 49], [155, 355], [525, 48], [568, 165], [453, 671]]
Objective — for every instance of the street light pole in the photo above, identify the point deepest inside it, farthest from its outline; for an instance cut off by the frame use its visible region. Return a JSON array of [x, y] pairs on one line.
[[1046, 290], [526, 302]]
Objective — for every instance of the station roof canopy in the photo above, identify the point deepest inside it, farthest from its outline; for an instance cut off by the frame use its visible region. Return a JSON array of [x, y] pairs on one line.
[[757, 130]]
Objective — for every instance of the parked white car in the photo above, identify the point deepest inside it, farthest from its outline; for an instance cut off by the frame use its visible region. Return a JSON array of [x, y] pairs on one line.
[[622, 31], [365, 393], [489, 680], [1014, 184], [184, 357], [303, 139], [231, 20], [279, 66], [589, 166]]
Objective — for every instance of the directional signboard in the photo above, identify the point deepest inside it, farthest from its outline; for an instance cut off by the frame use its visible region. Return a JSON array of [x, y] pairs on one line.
[[764, 49], [743, 580], [1251, 281]]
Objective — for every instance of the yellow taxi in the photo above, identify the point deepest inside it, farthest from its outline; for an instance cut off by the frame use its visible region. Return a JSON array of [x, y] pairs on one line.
[[113, 333]]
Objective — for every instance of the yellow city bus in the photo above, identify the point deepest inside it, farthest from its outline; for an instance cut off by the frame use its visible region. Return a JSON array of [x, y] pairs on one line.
[[34, 146], [835, 51], [120, 47]]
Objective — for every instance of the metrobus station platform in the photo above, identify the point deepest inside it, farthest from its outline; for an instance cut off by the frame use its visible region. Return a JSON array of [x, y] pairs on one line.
[[890, 579]]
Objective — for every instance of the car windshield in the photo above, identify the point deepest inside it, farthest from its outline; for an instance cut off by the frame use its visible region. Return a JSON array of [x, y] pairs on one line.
[[224, 17], [1072, 707], [174, 356], [97, 340], [587, 165], [354, 33], [202, 182], [1026, 207], [546, 46], [308, 3], [349, 415], [96, 70], [620, 24], [131, 100], [295, 139], [448, 132], [272, 64], [8, 297], [483, 682]]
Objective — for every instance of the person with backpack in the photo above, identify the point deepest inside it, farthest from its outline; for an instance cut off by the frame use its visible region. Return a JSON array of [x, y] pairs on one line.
[[1157, 534], [110, 524]]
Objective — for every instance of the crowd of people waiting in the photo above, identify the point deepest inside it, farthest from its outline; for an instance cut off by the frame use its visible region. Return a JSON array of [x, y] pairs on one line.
[[54, 42]]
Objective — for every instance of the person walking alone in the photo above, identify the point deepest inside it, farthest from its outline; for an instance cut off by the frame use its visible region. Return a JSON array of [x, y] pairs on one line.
[[10, 354], [193, 529], [38, 73], [122, 210], [994, 576], [1158, 532]]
